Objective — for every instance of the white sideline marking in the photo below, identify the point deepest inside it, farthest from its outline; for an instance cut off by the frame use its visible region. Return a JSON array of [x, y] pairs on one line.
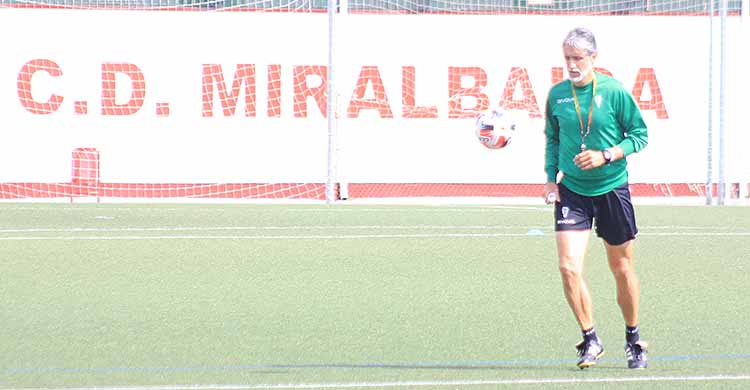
[[397, 384], [265, 237], [484, 232], [300, 236], [225, 228], [338, 227]]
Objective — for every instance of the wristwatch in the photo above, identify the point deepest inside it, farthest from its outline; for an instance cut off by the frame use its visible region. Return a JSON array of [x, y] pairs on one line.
[[607, 156]]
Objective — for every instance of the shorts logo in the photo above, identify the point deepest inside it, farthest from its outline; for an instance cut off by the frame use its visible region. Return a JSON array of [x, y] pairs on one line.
[[565, 220]]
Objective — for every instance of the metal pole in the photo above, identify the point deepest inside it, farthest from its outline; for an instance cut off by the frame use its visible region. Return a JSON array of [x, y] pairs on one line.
[[745, 176], [341, 127], [710, 147], [331, 106], [721, 193]]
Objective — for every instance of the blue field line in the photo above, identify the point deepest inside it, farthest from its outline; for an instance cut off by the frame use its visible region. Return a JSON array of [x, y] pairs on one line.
[[456, 365]]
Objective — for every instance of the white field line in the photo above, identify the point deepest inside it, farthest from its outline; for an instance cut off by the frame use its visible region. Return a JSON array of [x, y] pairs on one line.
[[20, 234], [265, 237], [326, 227], [240, 228], [318, 237], [400, 384]]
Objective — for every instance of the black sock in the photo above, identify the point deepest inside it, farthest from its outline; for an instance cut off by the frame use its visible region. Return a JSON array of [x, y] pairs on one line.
[[589, 335], [631, 334]]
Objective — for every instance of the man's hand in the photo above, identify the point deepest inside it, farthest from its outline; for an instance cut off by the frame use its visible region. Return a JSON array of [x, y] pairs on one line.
[[551, 193], [589, 159]]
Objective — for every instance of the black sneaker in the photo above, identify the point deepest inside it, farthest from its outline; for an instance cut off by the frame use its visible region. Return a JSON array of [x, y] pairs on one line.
[[589, 352], [636, 353]]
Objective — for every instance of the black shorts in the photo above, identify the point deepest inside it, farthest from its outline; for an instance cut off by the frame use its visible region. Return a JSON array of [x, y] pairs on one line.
[[613, 213]]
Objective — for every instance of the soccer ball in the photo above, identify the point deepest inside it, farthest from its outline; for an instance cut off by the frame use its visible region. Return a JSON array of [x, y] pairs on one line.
[[494, 128]]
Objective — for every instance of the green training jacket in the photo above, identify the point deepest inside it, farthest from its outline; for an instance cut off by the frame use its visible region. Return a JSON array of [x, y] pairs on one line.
[[616, 121]]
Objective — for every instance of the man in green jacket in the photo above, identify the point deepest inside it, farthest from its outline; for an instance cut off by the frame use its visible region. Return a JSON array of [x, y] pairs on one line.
[[592, 124]]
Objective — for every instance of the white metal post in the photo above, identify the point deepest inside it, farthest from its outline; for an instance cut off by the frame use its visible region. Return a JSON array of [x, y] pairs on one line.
[[710, 129], [745, 31], [722, 186], [341, 124], [331, 106]]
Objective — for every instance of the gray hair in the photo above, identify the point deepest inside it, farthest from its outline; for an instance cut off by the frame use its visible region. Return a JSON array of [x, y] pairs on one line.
[[581, 38]]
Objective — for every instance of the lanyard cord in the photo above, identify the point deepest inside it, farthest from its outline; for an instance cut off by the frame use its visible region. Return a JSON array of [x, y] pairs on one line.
[[584, 131]]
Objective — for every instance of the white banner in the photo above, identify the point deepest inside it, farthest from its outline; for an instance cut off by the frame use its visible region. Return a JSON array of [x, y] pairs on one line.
[[191, 97]]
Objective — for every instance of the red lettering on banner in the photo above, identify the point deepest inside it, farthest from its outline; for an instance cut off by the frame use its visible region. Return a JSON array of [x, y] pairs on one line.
[[137, 93], [24, 87], [456, 92], [603, 71], [369, 74], [273, 104], [466, 91], [81, 108], [647, 75], [213, 75], [408, 90], [162, 109], [520, 75], [556, 75], [302, 91]]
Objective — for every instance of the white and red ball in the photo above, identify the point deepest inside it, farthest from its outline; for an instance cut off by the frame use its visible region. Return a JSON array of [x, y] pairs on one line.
[[494, 128]]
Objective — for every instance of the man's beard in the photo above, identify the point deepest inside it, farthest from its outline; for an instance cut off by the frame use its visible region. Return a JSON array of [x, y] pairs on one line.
[[581, 75]]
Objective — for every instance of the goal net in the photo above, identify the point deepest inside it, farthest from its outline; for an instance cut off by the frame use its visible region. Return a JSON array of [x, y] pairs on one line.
[[368, 100]]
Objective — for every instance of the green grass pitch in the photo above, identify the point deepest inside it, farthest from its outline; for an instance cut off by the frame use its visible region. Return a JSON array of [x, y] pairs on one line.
[[170, 297]]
